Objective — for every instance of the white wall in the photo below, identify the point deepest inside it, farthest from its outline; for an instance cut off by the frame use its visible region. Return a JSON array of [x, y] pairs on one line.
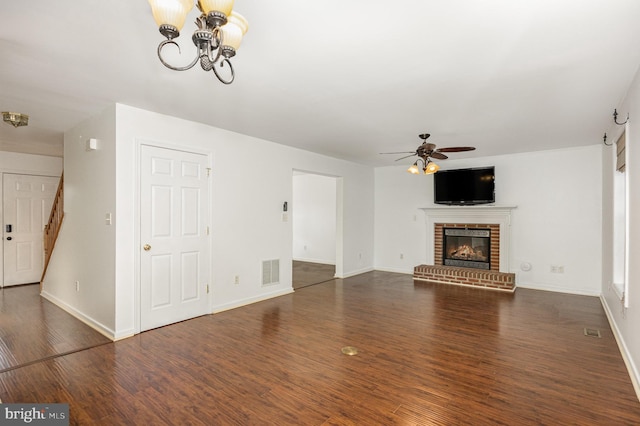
[[85, 249], [246, 219], [400, 230], [625, 321], [313, 212], [556, 222], [16, 163]]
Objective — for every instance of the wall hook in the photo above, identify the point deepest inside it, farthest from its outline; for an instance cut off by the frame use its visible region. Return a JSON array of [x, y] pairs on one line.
[[615, 118], [604, 140]]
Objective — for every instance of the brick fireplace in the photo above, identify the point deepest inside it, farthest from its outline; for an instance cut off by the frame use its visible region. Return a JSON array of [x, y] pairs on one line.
[[494, 240], [471, 223]]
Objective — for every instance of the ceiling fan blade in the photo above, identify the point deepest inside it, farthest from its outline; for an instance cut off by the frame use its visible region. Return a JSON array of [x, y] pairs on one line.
[[429, 146], [402, 152], [407, 156], [457, 149], [438, 155]]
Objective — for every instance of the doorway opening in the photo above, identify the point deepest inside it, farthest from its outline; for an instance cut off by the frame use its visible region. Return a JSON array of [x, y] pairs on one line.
[[315, 218]]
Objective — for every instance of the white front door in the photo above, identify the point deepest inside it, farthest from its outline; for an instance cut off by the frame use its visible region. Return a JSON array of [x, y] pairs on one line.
[[26, 207], [174, 246]]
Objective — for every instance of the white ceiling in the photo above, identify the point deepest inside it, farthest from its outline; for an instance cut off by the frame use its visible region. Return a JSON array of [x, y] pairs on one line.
[[345, 78]]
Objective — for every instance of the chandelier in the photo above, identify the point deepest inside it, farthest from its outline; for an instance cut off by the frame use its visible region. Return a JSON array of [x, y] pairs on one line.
[[217, 36]]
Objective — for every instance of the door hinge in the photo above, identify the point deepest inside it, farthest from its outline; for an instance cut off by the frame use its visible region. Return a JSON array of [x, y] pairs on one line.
[[208, 171], [207, 288], [207, 230]]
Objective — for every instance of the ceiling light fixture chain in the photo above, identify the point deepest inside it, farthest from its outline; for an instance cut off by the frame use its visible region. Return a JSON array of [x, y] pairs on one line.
[[217, 36]]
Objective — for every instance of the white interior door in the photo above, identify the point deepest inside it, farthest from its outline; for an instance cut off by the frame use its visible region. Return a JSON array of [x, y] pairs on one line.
[[174, 259], [26, 206]]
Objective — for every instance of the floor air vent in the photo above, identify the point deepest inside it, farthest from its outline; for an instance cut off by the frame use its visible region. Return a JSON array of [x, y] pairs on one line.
[[270, 272], [592, 332]]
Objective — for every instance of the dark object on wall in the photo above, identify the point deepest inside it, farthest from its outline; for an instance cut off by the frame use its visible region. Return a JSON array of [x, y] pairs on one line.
[[464, 186]]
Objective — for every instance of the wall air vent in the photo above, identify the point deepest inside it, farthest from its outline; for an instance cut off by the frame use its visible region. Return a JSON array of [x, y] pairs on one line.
[[270, 272]]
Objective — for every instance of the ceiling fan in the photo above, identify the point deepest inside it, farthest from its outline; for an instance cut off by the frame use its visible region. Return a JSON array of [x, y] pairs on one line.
[[427, 151]]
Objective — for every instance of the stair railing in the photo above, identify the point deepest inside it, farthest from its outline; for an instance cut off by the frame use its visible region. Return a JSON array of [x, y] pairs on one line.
[[52, 227]]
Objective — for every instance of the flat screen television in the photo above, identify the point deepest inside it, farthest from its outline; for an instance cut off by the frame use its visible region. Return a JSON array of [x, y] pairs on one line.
[[464, 186]]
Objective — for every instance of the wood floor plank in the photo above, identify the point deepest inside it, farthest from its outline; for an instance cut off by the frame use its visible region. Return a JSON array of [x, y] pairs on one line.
[[309, 273], [427, 354], [32, 328]]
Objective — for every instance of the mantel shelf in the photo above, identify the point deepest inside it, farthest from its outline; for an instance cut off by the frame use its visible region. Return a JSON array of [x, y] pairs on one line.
[[490, 207]]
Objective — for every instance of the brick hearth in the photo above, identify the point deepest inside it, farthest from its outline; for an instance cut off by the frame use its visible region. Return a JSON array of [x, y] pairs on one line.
[[491, 280]]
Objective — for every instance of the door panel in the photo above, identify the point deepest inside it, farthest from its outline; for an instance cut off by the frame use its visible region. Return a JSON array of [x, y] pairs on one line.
[[26, 204], [174, 206]]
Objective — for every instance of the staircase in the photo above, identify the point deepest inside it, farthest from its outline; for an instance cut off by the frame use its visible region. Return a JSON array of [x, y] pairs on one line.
[[52, 227]]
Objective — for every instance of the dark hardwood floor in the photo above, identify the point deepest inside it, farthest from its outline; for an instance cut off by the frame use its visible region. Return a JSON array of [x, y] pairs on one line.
[[32, 328], [309, 273], [427, 354]]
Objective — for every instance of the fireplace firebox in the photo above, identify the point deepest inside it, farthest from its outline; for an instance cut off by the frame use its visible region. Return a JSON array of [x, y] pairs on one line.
[[467, 248]]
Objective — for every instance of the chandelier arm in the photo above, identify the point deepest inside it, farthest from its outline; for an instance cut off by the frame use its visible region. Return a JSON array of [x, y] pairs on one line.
[[166, 64], [216, 44], [215, 71]]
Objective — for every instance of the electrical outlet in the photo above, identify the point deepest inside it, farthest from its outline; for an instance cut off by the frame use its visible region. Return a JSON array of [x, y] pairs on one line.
[[557, 269], [77, 285], [237, 280]]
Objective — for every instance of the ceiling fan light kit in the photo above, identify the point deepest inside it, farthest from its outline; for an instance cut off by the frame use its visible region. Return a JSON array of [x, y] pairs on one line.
[[428, 168], [217, 36], [425, 153]]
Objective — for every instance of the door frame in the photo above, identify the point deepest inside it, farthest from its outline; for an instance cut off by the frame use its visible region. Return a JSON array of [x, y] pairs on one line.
[[139, 143], [339, 231]]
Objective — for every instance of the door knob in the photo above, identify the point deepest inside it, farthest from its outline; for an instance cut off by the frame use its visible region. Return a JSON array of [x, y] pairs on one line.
[[146, 247]]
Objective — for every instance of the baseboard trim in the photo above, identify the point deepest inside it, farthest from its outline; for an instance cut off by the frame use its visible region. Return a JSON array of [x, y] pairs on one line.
[[356, 272], [397, 270], [626, 357], [248, 301], [100, 328], [559, 289]]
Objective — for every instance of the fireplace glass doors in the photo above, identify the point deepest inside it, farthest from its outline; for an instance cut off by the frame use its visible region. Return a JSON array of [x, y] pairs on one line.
[[468, 248]]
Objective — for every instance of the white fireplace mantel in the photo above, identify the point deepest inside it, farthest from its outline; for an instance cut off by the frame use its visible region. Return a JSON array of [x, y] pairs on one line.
[[485, 214]]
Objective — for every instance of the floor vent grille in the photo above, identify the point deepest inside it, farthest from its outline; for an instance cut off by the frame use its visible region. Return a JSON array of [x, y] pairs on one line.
[[592, 332]]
